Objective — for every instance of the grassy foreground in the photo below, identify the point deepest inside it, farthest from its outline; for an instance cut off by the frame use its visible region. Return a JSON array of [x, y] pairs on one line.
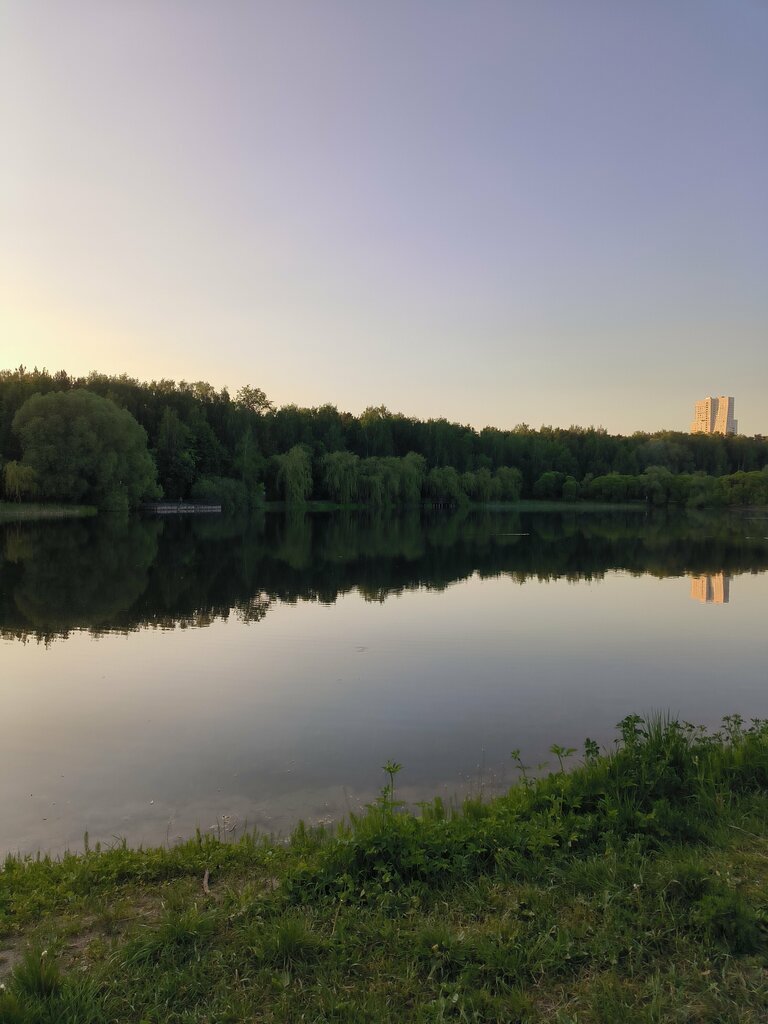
[[633, 888]]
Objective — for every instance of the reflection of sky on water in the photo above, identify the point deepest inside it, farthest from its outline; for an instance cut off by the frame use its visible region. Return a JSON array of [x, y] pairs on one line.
[[153, 733]]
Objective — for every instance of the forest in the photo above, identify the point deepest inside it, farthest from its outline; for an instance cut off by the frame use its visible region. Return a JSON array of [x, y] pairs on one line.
[[113, 441]]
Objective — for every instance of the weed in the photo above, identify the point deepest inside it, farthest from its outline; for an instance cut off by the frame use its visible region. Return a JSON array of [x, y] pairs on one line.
[[178, 934], [561, 753], [523, 769], [288, 943], [37, 975], [387, 796]]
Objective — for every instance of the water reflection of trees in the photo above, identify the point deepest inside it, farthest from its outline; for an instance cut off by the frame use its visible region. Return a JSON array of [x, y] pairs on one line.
[[105, 575], [55, 577]]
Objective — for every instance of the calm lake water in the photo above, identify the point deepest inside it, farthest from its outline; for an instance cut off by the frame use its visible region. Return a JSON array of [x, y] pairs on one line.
[[157, 676]]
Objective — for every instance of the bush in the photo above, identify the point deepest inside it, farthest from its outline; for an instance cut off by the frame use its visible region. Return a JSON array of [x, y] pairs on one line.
[[231, 494]]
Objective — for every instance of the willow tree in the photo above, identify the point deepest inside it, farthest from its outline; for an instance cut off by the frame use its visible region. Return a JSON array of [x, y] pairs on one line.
[[340, 475], [391, 472], [444, 484], [372, 482], [510, 482], [412, 472], [380, 480], [294, 474], [480, 485], [20, 481], [83, 448]]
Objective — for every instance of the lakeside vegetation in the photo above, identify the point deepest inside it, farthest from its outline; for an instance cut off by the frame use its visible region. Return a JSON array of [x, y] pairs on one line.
[[630, 888], [112, 441]]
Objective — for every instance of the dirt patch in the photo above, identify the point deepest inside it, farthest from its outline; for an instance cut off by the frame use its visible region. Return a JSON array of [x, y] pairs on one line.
[[11, 952]]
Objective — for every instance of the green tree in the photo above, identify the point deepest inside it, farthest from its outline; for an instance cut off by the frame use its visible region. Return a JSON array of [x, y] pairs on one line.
[[656, 483], [217, 490], [294, 474], [389, 470], [82, 448], [377, 430], [571, 489], [745, 488], [703, 490], [444, 485], [510, 483], [480, 485], [253, 399], [372, 483], [250, 462], [549, 485], [340, 475], [174, 454], [412, 471], [20, 481], [613, 487]]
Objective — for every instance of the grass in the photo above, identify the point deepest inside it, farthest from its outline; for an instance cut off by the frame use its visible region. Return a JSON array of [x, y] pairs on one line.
[[11, 511], [632, 888]]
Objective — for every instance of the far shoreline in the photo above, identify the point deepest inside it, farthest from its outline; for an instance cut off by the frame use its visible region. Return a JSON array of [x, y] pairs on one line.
[[11, 512]]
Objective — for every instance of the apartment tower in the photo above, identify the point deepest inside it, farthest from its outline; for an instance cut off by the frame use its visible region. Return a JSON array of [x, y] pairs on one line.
[[714, 416]]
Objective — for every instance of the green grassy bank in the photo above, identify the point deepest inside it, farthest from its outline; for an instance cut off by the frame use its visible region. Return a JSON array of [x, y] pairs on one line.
[[11, 511], [633, 888]]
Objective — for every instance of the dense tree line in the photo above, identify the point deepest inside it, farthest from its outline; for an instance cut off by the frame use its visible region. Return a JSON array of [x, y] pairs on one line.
[[206, 443]]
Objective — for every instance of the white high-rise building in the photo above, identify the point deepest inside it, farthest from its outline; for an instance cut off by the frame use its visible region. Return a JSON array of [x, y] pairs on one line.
[[714, 416]]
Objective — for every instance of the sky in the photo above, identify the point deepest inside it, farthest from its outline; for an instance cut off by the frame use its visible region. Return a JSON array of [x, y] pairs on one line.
[[528, 211]]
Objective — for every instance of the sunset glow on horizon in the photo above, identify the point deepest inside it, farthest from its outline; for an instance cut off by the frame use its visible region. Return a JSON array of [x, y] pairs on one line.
[[497, 213]]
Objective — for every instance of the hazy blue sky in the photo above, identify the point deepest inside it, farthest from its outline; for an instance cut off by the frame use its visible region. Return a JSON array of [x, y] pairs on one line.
[[541, 211]]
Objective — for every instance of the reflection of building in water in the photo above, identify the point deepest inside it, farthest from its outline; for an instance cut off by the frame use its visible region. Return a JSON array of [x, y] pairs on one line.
[[711, 589]]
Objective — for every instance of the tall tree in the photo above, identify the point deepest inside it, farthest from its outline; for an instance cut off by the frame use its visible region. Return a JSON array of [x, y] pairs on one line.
[[340, 476], [250, 462], [412, 472], [175, 455], [294, 475], [510, 482], [83, 448], [253, 399]]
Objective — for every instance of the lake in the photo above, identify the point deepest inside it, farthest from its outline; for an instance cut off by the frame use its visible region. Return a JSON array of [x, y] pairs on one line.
[[160, 675]]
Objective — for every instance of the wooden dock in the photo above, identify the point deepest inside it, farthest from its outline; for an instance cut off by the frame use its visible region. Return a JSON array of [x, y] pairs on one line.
[[179, 508]]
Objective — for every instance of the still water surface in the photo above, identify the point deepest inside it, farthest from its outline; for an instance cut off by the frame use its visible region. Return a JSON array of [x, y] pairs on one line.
[[157, 676]]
